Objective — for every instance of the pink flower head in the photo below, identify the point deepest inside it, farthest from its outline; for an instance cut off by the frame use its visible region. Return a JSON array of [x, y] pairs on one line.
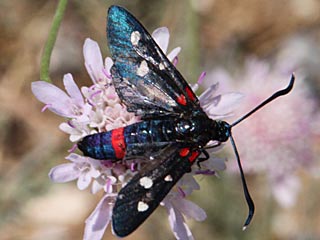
[[97, 108], [276, 140]]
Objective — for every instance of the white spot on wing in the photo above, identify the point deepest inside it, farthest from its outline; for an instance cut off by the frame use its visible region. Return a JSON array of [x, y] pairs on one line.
[[143, 69], [142, 206], [146, 182], [120, 196], [168, 178], [161, 66], [135, 38]]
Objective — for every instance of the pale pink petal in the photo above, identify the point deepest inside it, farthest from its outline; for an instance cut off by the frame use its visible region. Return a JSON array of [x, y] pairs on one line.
[[161, 36], [228, 102], [76, 133], [179, 227], [56, 99], [65, 127], [73, 157], [72, 89], [174, 53], [76, 137], [84, 181], [188, 180], [214, 163], [99, 219], [93, 59], [108, 64], [94, 173], [64, 173], [191, 210], [209, 95], [96, 186]]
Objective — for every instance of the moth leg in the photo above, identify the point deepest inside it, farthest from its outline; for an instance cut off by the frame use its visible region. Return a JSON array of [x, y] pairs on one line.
[[206, 157], [202, 159]]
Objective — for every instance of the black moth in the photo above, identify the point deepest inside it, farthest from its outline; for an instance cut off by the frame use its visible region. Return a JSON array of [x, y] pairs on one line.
[[173, 133]]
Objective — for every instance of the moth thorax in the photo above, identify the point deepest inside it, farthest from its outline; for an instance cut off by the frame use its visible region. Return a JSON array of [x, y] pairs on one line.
[[184, 126], [221, 131]]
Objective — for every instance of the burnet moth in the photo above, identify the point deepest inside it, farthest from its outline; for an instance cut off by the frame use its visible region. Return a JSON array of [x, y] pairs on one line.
[[174, 130]]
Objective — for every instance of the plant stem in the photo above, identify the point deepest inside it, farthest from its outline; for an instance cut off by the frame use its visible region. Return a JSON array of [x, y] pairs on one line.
[[46, 56]]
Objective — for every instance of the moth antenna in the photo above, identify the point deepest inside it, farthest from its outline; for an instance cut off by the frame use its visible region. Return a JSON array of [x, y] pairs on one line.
[[271, 98], [249, 200], [243, 179]]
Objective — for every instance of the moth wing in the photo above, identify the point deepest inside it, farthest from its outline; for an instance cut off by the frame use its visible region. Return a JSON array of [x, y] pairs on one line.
[[144, 192], [145, 80]]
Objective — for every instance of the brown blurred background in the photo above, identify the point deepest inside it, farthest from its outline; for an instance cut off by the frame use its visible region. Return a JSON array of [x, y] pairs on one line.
[[211, 33]]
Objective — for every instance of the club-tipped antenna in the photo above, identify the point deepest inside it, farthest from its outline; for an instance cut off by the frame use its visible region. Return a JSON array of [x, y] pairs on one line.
[[271, 98], [244, 185], [243, 179]]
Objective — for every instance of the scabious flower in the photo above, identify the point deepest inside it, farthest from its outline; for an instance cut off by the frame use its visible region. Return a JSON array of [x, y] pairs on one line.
[[277, 140], [98, 109]]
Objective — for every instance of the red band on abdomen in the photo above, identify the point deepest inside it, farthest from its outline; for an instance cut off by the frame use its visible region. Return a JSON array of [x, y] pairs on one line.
[[118, 143]]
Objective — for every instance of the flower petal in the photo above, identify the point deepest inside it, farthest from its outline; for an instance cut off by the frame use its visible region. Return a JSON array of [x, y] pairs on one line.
[[191, 210], [93, 59], [56, 99], [177, 224], [161, 36], [73, 157], [72, 89], [227, 103], [108, 64], [96, 186], [189, 183], [215, 163], [64, 173], [99, 219], [84, 180], [174, 53], [208, 95]]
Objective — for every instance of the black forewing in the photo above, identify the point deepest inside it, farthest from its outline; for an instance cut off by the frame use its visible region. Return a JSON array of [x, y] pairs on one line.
[[145, 80], [126, 216]]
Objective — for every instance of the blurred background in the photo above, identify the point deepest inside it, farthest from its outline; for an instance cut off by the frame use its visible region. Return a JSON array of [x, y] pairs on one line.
[[249, 46]]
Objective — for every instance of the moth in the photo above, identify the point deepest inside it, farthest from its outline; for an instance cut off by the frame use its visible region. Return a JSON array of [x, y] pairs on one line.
[[174, 132]]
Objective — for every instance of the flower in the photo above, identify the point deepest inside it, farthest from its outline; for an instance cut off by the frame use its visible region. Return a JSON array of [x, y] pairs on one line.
[[98, 109], [276, 140]]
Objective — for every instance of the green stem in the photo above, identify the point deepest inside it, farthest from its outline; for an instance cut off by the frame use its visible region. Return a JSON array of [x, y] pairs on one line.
[[46, 56]]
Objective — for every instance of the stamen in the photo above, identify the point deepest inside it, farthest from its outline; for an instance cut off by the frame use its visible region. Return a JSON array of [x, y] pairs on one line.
[[95, 94], [183, 194], [201, 77], [206, 172], [46, 107], [71, 124], [91, 103], [73, 148], [106, 73], [175, 61], [133, 166]]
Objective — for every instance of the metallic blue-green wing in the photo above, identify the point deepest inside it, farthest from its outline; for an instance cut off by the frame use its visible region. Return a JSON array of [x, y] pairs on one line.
[[145, 80]]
